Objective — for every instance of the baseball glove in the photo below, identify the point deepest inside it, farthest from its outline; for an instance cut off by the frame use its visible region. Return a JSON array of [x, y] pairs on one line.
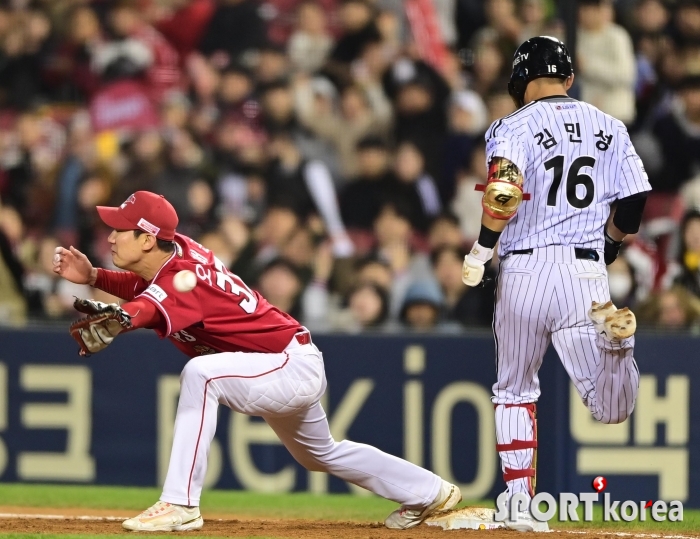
[[97, 330]]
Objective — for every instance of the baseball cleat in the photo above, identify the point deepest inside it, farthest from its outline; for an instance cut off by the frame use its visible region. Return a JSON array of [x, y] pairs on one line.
[[613, 323], [405, 517], [165, 517]]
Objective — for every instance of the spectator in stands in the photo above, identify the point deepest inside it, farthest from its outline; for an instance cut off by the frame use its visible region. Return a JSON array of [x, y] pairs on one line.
[[13, 306], [533, 13], [271, 64], [68, 72], [471, 307], [687, 269], [422, 306], [310, 44], [362, 197], [498, 102], [280, 284], [414, 187], [672, 309], [22, 54], [467, 117], [489, 64], [466, 203], [235, 27], [444, 231], [393, 233], [420, 97], [503, 27], [375, 271], [235, 94], [49, 296], [342, 120], [677, 134], [146, 165], [651, 18], [368, 305], [307, 187], [606, 66], [621, 282], [163, 72], [184, 23], [357, 19]]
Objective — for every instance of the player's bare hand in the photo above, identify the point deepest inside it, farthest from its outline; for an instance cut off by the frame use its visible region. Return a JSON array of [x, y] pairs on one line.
[[73, 266]]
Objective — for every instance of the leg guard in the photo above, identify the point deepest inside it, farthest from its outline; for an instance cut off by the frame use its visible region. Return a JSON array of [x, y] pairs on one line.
[[516, 437]]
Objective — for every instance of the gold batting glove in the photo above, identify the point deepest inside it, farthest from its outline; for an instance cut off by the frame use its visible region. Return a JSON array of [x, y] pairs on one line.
[[474, 264]]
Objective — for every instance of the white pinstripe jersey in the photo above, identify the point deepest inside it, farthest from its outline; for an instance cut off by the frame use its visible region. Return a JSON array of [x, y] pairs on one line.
[[576, 160]]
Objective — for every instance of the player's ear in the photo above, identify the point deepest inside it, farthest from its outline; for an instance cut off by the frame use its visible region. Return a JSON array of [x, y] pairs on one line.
[[148, 242], [569, 82]]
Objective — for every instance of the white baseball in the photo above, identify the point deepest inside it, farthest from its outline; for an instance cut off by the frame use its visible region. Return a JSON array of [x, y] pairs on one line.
[[184, 281]]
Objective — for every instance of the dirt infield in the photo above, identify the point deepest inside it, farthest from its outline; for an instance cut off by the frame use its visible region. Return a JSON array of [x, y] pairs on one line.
[[93, 521]]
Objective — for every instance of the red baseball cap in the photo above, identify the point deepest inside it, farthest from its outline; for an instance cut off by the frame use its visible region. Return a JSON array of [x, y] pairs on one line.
[[144, 211]]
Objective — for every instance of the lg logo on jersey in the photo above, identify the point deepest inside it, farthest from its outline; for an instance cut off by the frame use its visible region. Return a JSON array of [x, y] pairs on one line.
[[568, 504]]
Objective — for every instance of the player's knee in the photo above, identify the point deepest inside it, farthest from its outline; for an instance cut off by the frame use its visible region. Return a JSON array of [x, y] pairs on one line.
[[614, 418], [195, 370], [316, 459]]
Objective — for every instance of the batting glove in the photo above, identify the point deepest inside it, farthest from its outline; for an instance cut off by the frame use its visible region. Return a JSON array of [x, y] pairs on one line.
[[611, 250], [474, 264]]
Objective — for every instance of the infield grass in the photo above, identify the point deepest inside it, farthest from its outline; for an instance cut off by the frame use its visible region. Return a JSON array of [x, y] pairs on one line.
[[335, 507]]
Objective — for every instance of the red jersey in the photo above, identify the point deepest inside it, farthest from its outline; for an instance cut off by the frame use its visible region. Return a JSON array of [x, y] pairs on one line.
[[221, 314]]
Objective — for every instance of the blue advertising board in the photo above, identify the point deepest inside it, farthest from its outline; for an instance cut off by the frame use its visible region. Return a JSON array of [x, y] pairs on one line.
[[108, 419]]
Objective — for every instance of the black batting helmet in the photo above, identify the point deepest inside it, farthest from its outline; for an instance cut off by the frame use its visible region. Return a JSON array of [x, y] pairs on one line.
[[541, 56]]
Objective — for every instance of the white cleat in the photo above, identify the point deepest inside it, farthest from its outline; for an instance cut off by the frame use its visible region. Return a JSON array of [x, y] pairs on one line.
[[523, 523], [404, 517], [613, 323], [165, 517]]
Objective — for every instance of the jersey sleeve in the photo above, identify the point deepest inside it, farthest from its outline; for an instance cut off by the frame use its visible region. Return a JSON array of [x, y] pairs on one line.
[[501, 141], [632, 178], [118, 283], [180, 309]]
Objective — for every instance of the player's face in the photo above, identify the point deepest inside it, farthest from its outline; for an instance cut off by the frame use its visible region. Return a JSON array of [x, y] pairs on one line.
[[126, 248]]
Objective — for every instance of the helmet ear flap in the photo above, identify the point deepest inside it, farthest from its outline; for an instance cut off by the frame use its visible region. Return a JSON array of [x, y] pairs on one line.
[[516, 89]]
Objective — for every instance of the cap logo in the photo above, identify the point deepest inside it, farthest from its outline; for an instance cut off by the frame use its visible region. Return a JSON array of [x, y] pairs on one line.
[[148, 227], [131, 199]]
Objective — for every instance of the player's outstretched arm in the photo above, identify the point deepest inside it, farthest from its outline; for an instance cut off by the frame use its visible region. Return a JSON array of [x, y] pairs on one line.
[[74, 266]]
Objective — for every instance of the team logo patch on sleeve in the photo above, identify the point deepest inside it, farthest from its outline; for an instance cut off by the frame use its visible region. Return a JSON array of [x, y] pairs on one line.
[[157, 293]]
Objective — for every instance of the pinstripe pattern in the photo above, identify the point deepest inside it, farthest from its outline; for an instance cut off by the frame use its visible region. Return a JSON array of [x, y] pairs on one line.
[[544, 297], [618, 172]]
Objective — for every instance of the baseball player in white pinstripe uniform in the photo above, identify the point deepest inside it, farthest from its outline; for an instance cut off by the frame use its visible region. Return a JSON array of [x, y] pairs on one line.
[[565, 186]]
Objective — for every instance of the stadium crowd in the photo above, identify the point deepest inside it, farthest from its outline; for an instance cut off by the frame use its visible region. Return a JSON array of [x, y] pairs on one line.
[[327, 151]]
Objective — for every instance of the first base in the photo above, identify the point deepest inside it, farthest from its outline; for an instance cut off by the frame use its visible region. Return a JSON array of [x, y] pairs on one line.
[[474, 518]]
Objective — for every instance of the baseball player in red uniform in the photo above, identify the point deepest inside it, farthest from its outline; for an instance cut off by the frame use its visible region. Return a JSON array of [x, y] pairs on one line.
[[246, 354]]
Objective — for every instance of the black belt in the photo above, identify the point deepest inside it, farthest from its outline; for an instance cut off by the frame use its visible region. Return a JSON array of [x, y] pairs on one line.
[[582, 254]]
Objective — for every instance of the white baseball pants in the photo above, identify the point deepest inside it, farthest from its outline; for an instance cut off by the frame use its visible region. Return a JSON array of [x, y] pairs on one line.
[[285, 390], [544, 297]]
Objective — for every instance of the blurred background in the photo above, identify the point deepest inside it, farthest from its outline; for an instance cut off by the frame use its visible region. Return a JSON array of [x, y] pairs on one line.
[[327, 151]]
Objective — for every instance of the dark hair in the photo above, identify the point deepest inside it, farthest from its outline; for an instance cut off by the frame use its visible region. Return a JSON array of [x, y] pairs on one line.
[[446, 215], [437, 253], [362, 263], [163, 245], [383, 297]]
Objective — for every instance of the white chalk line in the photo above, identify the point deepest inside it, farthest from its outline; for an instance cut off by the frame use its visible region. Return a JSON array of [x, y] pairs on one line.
[[29, 516], [61, 517]]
